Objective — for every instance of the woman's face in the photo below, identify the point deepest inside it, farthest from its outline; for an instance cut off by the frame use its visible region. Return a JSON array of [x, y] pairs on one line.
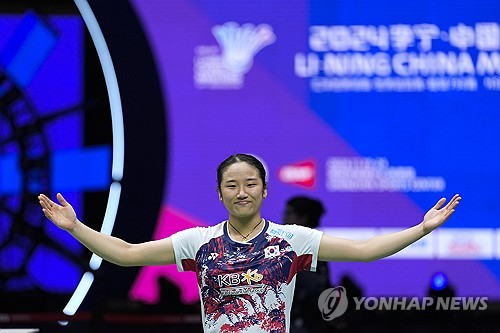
[[242, 190]]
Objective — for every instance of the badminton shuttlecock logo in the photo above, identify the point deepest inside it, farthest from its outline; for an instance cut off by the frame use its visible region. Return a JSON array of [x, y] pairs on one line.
[[239, 44]]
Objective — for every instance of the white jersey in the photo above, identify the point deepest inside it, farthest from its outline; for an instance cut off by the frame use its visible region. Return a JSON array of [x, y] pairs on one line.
[[247, 287]]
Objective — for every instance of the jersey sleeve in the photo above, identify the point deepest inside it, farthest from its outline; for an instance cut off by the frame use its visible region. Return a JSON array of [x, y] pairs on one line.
[[186, 244], [305, 242]]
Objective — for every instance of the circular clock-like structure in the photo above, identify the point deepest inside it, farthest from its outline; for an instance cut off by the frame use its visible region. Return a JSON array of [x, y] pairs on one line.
[[34, 254], [25, 160], [38, 140]]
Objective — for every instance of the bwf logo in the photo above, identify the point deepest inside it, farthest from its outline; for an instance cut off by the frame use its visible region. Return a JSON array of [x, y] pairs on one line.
[[224, 66], [240, 44]]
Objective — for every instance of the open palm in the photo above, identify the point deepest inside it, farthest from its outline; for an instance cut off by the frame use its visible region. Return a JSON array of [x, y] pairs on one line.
[[62, 215], [436, 216]]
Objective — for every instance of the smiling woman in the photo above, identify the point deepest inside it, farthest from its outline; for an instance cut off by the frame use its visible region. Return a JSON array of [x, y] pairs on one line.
[[242, 187], [246, 266]]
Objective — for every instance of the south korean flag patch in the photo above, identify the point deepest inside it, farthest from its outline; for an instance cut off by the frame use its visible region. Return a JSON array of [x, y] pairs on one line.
[[272, 251]]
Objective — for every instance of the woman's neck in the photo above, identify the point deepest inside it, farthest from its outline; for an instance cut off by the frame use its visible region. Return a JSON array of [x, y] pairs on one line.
[[243, 229]]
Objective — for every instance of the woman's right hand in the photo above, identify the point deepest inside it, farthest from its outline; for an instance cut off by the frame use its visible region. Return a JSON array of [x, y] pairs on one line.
[[62, 215]]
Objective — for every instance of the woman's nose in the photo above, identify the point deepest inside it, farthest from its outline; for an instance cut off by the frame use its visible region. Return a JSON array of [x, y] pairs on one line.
[[241, 193]]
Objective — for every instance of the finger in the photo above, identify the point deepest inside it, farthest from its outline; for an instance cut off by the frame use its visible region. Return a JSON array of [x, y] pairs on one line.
[[450, 207], [447, 214], [62, 200], [439, 203], [44, 203], [48, 214], [43, 198], [453, 202]]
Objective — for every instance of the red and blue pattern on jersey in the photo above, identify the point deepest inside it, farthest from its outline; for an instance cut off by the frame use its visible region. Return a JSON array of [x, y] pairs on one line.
[[244, 281]]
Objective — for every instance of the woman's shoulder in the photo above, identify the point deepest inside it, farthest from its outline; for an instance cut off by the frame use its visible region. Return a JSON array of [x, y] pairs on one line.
[[216, 228], [289, 229], [199, 234], [205, 229]]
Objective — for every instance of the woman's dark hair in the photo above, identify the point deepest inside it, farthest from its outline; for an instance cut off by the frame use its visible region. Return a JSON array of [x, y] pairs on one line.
[[311, 208], [236, 158]]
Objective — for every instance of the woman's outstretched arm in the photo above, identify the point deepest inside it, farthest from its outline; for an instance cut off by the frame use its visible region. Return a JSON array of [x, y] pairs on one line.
[[340, 249], [112, 249]]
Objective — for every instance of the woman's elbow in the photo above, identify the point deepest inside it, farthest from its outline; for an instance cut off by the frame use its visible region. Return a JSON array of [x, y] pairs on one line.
[[368, 259], [126, 258], [364, 254], [370, 256], [121, 261]]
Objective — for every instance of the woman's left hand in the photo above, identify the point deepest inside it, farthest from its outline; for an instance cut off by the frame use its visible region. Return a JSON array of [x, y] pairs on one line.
[[436, 216]]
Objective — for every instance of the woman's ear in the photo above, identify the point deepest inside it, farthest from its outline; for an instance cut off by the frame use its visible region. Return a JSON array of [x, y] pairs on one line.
[[220, 196], [264, 194]]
